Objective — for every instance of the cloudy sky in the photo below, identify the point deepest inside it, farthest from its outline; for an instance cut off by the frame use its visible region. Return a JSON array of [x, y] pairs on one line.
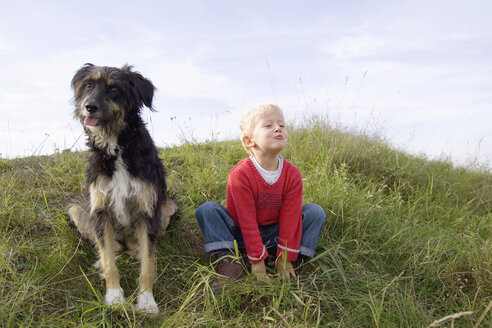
[[418, 73]]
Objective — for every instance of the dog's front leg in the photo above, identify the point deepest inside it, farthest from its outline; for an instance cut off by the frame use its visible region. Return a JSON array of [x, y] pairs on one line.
[[146, 251], [106, 246]]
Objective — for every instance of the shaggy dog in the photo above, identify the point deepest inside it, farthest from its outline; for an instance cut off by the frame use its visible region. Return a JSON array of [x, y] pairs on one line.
[[126, 202]]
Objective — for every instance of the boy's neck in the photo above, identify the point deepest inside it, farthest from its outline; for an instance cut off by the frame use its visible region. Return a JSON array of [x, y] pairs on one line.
[[267, 161]]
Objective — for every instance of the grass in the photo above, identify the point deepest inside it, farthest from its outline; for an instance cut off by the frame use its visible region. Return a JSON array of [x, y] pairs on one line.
[[407, 243]]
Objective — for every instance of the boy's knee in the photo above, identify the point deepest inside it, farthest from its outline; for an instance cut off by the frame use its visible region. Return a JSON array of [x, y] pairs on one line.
[[315, 212], [205, 208]]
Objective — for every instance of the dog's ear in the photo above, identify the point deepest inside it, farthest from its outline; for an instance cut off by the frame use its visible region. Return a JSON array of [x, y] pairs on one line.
[[142, 87], [80, 76]]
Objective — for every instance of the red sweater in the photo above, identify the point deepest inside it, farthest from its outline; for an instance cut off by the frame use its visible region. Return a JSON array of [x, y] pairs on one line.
[[251, 202]]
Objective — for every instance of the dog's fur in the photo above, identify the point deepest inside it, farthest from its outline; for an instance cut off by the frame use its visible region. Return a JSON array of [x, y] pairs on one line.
[[126, 201]]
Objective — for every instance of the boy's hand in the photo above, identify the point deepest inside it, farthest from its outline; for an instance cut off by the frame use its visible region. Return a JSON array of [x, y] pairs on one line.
[[259, 270], [285, 272]]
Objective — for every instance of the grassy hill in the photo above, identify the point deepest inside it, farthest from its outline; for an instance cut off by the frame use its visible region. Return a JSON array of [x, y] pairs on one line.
[[407, 242]]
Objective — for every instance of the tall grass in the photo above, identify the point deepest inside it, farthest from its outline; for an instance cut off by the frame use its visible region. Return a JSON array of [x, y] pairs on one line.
[[407, 243]]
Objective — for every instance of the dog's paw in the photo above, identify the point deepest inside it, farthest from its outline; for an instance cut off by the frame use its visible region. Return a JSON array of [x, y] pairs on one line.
[[146, 303], [114, 296]]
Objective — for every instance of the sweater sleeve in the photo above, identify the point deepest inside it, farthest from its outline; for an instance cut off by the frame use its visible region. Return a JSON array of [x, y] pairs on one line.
[[240, 199], [290, 219]]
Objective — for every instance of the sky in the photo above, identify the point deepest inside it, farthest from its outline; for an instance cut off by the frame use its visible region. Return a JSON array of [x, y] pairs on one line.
[[417, 73]]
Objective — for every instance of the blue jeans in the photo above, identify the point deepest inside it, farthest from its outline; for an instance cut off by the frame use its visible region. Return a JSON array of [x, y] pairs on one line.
[[220, 230]]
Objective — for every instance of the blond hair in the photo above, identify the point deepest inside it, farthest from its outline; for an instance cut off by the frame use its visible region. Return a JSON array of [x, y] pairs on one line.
[[248, 123]]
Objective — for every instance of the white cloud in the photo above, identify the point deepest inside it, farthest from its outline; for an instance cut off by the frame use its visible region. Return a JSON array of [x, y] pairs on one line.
[[6, 46], [355, 46], [183, 78]]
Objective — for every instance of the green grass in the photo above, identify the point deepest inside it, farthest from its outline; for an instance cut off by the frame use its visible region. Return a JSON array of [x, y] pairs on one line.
[[407, 242]]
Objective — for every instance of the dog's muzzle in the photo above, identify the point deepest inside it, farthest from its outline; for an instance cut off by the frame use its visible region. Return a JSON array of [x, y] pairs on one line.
[[92, 111]]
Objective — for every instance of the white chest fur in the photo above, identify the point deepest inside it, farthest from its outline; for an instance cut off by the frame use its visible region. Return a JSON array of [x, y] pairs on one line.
[[124, 194]]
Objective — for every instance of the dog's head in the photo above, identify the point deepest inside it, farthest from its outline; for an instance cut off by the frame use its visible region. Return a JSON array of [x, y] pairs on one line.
[[107, 98]]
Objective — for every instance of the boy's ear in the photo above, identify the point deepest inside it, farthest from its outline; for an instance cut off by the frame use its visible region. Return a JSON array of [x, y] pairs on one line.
[[248, 142]]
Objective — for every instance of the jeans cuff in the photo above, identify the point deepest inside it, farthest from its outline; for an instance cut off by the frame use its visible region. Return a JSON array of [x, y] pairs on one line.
[[210, 247], [307, 251]]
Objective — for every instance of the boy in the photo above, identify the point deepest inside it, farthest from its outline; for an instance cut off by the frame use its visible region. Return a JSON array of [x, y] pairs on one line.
[[264, 204]]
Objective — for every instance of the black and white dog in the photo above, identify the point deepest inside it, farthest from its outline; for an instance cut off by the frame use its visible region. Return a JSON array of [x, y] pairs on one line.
[[126, 201]]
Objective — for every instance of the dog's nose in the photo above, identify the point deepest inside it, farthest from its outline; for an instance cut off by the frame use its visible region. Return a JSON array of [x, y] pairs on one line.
[[92, 106]]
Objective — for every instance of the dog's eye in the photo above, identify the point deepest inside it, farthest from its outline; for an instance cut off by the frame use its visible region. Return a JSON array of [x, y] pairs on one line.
[[114, 91], [89, 85]]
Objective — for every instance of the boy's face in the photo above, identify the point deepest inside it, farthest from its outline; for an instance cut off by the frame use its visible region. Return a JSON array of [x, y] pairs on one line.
[[269, 135]]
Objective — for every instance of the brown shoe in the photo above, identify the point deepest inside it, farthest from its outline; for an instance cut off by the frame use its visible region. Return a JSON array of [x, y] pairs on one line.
[[231, 268]]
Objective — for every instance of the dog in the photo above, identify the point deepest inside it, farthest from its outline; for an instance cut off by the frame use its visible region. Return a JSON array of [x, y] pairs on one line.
[[126, 202]]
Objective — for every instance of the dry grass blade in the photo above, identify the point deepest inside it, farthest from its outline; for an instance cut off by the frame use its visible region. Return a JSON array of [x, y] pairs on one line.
[[452, 317]]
